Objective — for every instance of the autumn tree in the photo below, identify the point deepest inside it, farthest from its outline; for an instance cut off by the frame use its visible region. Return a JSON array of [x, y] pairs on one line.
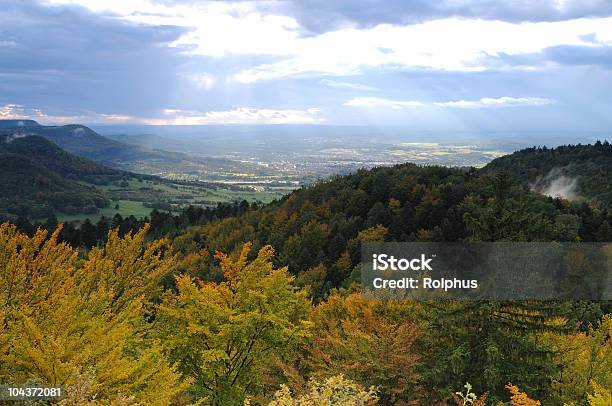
[[370, 342], [224, 335], [585, 359], [336, 390], [64, 318], [518, 398], [600, 396]]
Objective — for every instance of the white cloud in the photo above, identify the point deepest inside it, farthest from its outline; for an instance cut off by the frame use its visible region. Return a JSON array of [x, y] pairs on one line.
[[498, 102], [239, 115], [12, 112], [19, 112], [204, 80], [218, 29], [380, 102], [505, 101], [449, 44], [347, 85]]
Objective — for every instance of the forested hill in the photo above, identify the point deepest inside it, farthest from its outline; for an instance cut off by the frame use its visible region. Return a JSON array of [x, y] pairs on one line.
[[77, 139], [18, 123], [37, 179], [55, 159], [85, 142], [576, 172], [318, 230], [317, 233]]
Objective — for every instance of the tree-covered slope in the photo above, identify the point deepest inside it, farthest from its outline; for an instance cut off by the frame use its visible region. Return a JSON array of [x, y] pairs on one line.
[[410, 352], [85, 142], [318, 230], [52, 157], [80, 140], [39, 179], [577, 172], [28, 188]]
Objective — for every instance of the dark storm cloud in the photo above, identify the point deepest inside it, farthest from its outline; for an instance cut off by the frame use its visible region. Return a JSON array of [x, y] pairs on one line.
[[69, 57], [324, 15]]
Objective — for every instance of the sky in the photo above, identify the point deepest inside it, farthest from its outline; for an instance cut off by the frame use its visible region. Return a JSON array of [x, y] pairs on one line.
[[424, 65]]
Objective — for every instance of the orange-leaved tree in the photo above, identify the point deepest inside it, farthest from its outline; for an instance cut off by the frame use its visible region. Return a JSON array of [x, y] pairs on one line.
[[371, 342]]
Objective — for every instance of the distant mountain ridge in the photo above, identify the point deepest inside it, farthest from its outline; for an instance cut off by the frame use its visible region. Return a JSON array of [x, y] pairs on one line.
[[85, 142], [18, 123], [80, 140], [46, 158]]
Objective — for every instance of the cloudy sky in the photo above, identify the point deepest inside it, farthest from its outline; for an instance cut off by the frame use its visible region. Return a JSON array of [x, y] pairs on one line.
[[448, 64]]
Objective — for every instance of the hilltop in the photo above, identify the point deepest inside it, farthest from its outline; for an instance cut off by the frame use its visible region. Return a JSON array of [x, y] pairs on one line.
[[55, 159], [83, 141], [39, 179], [318, 230], [18, 123], [122, 153], [574, 172]]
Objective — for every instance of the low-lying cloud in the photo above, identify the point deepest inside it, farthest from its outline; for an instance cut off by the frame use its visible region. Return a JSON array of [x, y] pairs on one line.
[[347, 85], [485, 102], [381, 102], [497, 102], [13, 111], [557, 184], [238, 115]]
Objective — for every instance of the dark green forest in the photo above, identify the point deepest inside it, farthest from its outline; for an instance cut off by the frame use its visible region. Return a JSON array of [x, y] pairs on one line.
[[40, 179], [589, 165]]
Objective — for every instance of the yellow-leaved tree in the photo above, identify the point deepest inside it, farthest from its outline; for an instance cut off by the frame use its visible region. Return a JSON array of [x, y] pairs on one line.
[[336, 390], [585, 360], [225, 335], [79, 322], [600, 396]]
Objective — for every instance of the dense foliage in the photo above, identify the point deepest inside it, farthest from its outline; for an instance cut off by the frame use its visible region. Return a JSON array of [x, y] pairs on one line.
[[588, 165], [261, 305], [102, 325], [161, 223], [30, 189], [40, 179], [79, 323], [317, 230]]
